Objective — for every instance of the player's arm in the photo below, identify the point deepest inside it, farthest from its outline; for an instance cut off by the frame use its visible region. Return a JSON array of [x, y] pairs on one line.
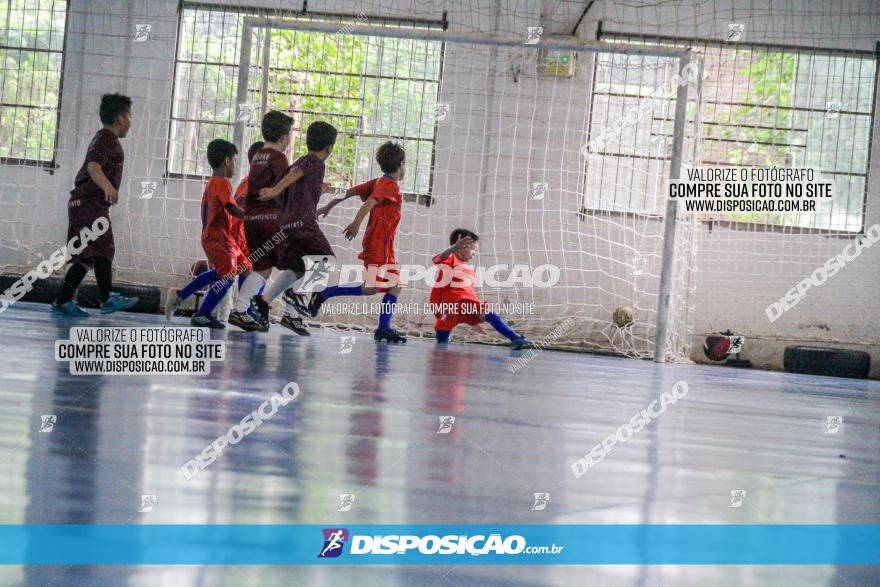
[[352, 229], [459, 246], [97, 175], [293, 176], [234, 210], [349, 193]]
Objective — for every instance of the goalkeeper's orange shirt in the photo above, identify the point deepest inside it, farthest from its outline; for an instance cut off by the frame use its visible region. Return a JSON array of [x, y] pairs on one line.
[[459, 279]]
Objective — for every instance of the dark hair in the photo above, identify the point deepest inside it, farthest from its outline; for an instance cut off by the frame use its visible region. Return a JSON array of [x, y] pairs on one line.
[[257, 146], [218, 151], [390, 156], [320, 135], [113, 105], [275, 125], [460, 233]]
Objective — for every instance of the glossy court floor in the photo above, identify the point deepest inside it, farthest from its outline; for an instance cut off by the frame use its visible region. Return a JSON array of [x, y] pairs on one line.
[[366, 424]]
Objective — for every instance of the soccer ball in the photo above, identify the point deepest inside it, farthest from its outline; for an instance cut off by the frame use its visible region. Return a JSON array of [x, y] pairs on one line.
[[623, 316]]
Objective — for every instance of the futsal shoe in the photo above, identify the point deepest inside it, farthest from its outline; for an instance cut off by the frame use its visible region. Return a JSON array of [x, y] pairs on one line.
[[117, 302], [521, 343], [315, 305], [244, 321], [69, 310], [172, 303], [261, 312], [295, 324], [206, 322], [388, 335]]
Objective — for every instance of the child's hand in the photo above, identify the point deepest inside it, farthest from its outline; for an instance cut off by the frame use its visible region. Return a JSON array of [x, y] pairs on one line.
[[324, 210], [235, 211], [479, 328], [111, 195], [265, 194], [351, 230], [326, 188], [463, 243]]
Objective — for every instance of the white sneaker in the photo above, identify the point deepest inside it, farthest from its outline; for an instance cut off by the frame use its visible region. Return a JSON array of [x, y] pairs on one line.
[[172, 303]]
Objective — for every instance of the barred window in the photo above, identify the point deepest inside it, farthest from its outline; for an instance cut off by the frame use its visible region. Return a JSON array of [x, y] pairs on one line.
[[371, 89], [31, 65]]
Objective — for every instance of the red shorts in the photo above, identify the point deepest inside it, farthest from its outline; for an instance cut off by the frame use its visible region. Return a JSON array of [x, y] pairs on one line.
[[383, 277], [459, 312], [226, 258]]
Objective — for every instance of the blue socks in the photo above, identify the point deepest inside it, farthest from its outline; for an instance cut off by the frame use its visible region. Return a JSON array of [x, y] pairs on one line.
[[499, 325], [352, 289], [388, 301], [442, 335], [201, 280], [213, 297]]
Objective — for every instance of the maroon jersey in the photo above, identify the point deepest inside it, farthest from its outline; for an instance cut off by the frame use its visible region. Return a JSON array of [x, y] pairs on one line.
[[300, 201], [268, 167], [105, 150]]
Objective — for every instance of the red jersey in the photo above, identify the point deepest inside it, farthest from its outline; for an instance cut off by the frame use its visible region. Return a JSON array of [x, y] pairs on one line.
[[378, 243], [216, 221], [267, 168], [460, 288], [236, 225]]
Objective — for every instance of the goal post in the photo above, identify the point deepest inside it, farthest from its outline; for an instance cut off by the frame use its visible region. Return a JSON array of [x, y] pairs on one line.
[[537, 125]]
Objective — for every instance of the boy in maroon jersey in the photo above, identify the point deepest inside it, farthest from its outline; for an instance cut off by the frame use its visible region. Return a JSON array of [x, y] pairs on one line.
[[268, 168], [96, 188]]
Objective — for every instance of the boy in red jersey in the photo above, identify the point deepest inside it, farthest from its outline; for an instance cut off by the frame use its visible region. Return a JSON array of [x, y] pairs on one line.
[[454, 297], [218, 239], [96, 188], [382, 201]]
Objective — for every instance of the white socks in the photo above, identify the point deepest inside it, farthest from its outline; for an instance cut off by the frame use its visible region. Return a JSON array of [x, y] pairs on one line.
[[250, 288]]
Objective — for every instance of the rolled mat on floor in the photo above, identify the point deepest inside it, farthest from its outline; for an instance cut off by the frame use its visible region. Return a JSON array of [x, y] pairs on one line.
[[44, 291]]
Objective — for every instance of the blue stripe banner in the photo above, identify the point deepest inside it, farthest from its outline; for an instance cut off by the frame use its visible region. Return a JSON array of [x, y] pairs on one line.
[[855, 544]]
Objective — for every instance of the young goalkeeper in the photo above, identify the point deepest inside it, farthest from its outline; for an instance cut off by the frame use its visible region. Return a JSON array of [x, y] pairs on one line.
[[455, 299]]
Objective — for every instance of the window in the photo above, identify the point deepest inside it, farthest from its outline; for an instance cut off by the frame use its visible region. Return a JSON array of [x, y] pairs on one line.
[[31, 62], [371, 89], [765, 106]]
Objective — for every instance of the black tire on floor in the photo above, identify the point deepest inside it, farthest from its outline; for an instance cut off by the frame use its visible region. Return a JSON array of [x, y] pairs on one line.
[[44, 291], [827, 361]]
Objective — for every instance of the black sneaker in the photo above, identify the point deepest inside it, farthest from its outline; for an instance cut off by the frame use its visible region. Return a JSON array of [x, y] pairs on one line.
[[388, 335], [295, 324], [244, 321], [315, 305], [207, 322], [261, 312], [297, 300]]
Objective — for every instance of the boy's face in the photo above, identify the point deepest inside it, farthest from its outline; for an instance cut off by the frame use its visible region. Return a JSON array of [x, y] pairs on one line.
[[229, 165], [468, 252], [402, 170], [123, 123]]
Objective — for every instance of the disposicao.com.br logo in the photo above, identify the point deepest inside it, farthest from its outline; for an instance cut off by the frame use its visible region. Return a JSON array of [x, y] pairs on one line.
[[334, 540]]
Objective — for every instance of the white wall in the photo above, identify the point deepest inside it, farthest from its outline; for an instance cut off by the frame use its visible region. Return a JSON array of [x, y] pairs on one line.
[[502, 136]]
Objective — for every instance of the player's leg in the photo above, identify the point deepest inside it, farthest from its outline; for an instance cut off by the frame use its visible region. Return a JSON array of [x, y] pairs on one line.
[[111, 301], [64, 304], [386, 315], [241, 317], [517, 341], [442, 336], [214, 296], [177, 296]]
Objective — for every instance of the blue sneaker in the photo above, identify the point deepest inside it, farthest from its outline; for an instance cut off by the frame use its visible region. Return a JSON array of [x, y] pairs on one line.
[[69, 310], [117, 302], [521, 343]]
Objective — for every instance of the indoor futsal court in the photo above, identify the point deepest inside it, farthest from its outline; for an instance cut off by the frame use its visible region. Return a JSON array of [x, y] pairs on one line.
[[439, 292]]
